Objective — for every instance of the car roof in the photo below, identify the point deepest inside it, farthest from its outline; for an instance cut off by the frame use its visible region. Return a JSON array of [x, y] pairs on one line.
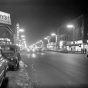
[[9, 45]]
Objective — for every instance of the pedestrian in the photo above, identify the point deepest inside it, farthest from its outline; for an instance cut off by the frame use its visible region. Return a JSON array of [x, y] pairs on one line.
[[71, 49], [81, 50], [85, 50]]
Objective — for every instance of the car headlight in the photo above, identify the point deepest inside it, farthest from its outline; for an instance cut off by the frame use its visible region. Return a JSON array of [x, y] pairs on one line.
[[28, 50], [11, 58]]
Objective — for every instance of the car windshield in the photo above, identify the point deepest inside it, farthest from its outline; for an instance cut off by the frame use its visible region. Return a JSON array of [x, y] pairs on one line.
[[8, 49]]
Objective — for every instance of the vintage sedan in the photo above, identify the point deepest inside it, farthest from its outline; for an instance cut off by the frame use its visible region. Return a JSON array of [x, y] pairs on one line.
[[12, 53], [3, 67]]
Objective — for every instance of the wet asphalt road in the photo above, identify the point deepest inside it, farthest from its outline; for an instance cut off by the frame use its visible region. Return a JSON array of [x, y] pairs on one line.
[[58, 70]]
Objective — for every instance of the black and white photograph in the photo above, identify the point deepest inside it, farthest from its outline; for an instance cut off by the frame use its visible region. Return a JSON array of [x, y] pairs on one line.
[[43, 43]]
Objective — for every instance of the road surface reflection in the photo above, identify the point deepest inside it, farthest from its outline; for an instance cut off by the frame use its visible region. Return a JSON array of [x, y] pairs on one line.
[[32, 55]]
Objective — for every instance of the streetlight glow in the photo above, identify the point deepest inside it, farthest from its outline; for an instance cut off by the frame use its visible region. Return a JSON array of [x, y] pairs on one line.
[[40, 41], [21, 30], [53, 34], [45, 38], [70, 26], [23, 39], [73, 28], [23, 36]]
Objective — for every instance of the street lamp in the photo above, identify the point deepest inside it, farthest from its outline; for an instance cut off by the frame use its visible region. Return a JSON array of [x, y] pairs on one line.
[[45, 38], [53, 34], [71, 26], [23, 39], [22, 36], [40, 41], [48, 39]]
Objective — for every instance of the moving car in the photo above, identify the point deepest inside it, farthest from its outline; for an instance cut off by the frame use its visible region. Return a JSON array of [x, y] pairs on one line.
[[40, 50], [24, 51], [3, 67], [12, 53], [32, 50]]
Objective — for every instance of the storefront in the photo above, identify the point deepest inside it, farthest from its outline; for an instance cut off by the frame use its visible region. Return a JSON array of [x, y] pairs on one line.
[[77, 46], [51, 46], [5, 41]]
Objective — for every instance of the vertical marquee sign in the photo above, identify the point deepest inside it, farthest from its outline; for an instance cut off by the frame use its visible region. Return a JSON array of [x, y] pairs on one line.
[[5, 18]]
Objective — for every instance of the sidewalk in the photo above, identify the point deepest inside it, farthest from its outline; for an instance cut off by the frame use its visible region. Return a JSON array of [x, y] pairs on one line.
[[21, 78], [77, 52], [72, 52]]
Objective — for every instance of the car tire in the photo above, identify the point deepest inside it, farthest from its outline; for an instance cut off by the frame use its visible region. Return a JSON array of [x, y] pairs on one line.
[[18, 65], [15, 67], [87, 55]]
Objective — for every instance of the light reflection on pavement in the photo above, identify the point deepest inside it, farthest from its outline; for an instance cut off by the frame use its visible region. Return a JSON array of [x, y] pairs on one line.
[[32, 55]]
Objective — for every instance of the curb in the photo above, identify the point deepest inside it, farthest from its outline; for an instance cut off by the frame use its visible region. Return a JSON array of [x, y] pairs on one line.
[[67, 52]]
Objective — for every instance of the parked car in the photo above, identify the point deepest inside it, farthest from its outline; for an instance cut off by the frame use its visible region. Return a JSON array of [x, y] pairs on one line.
[[12, 53], [3, 67], [87, 53]]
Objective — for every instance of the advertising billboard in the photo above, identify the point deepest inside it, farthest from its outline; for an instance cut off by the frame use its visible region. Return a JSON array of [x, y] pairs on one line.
[[5, 18]]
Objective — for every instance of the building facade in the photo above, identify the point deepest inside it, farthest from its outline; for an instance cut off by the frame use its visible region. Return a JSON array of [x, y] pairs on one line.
[[75, 38], [6, 35]]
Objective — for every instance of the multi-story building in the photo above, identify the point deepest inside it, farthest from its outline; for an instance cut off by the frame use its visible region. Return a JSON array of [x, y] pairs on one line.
[[6, 34], [75, 38]]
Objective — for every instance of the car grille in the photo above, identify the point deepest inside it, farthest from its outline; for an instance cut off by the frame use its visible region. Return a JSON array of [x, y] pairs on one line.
[[11, 60], [9, 55]]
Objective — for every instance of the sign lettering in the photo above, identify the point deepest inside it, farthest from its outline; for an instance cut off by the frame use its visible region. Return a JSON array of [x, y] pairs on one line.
[[5, 18]]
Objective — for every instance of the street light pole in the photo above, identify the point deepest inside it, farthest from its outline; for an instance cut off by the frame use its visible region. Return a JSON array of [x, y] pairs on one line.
[[72, 26], [48, 39], [73, 34], [56, 38], [53, 34]]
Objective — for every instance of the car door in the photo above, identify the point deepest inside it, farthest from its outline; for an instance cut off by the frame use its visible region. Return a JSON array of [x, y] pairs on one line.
[[2, 66]]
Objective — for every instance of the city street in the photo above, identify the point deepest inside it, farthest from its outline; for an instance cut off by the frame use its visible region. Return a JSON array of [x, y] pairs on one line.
[[49, 70], [58, 70], [43, 44]]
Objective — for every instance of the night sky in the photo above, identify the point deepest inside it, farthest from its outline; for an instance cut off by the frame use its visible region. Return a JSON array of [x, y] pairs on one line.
[[39, 18]]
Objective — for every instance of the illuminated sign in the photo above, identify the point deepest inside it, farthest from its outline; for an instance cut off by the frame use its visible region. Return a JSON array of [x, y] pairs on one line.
[[5, 18], [78, 42]]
